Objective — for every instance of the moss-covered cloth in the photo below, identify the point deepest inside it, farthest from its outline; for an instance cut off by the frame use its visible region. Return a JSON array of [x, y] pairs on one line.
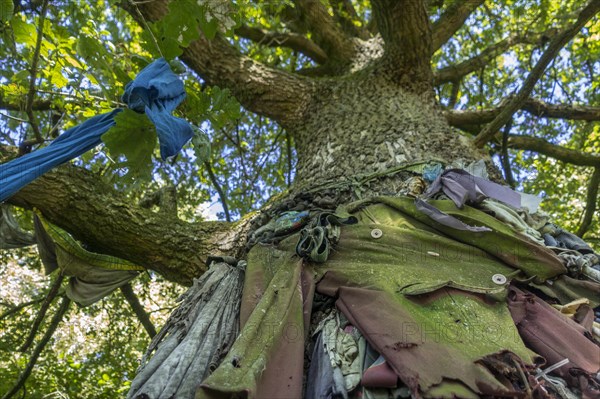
[[431, 300]]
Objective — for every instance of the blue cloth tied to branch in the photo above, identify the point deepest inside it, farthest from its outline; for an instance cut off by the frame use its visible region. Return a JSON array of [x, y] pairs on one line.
[[156, 90]]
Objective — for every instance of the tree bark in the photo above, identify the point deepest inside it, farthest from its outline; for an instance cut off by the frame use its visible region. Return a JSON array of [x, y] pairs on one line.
[[103, 218]]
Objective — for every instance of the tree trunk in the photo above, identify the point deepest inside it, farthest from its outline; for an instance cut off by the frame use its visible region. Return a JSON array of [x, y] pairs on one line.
[[367, 124]]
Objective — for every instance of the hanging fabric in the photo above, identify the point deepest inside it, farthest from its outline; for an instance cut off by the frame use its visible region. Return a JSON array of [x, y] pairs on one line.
[[156, 90]]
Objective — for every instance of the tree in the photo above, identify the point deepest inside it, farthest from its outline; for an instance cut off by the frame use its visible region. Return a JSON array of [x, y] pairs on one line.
[[345, 89]]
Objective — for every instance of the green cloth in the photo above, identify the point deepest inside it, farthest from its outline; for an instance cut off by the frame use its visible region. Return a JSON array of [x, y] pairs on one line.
[[425, 296]]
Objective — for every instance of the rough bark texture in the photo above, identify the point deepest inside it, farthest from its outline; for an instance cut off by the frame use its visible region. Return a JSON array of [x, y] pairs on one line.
[[375, 110], [105, 220], [366, 124]]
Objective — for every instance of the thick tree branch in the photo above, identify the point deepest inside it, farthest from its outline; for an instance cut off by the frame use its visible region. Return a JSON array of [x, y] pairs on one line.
[[103, 218], [552, 150], [451, 21], [557, 43], [290, 40], [591, 201], [405, 28], [533, 106], [138, 309], [331, 37], [267, 91], [453, 72]]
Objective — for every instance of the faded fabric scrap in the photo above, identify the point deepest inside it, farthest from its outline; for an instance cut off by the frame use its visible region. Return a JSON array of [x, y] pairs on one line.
[[11, 234], [156, 90], [320, 383], [431, 328], [267, 359], [19, 172], [88, 283], [464, 188], [502, 241], [194, 339], [556, 337]]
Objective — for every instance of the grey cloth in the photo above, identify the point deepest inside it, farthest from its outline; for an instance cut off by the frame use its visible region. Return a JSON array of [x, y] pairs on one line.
[[556, 237], [464, 188], [320, 383], [88, 284], [512, 217], [195, 338], [444, 218], [478, 169], [11, 235]]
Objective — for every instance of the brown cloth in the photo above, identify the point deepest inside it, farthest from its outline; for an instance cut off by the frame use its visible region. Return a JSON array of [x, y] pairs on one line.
[[556, 337]]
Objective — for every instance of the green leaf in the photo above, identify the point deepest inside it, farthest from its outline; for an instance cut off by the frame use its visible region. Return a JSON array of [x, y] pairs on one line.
[[7, 8], [133, 137], [201, 144], [24, 32]]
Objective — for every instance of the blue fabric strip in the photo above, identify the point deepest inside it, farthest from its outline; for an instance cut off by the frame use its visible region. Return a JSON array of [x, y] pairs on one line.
[[156, 90]]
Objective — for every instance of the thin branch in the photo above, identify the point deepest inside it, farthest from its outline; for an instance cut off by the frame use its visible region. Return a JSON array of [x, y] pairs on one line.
[[453, 72], [290, 40], [451, 21], [541, 146], [556, 44], [58, 316], [272, 92], [533, 106], [19, 307], [591, 201], [33, 77], [328, 34], [138, 309], [40, 105], [52, 293], [508, 175], [219, 189]]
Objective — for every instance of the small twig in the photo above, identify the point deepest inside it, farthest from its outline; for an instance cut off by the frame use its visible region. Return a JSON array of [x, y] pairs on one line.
[[215, 182], [556, 44], [523, 378], [288, 144], [52, 293], [137, 10], [505, 159], [592, 199], [19, 307], [91, 97], [34, 68], [58, 316], [14, 118], [138, 309]]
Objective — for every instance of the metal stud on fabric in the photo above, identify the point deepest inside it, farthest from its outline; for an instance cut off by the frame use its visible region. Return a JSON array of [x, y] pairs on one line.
[[499, 279], [376, 233]]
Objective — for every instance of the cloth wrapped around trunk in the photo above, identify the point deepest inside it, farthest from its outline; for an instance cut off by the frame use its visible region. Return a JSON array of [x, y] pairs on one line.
[[425, 296]]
